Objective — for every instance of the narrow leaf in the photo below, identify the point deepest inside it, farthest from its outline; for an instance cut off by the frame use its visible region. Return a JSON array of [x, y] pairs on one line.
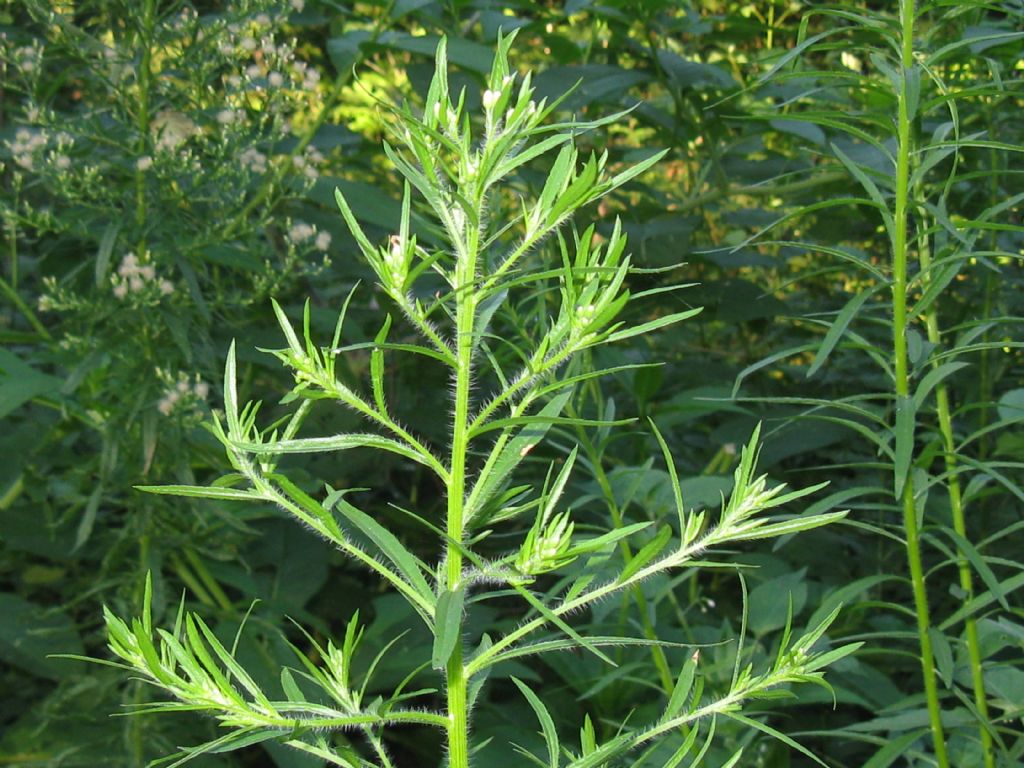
[[447, 626], [200, 491], [546, 723], [389, 544], [837, 329], [649, 551], [905, 422]]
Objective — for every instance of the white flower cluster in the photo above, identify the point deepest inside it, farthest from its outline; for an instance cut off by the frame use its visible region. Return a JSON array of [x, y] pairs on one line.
[[172, 129], [184, 19], [28, 58], [308, 162], [268, 59], [301, 232], [135, 276], [254, 160], [308, 77], [181, 393], [229, 116], [26, 146]]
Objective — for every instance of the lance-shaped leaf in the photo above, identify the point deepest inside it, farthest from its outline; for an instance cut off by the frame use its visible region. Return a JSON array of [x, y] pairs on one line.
[[546, 723], [407, 563], [202, 492], [505, 459], [342, 442], [447, 626]]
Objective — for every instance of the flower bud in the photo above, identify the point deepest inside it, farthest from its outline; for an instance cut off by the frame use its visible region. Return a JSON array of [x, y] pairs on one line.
[[490, 98]]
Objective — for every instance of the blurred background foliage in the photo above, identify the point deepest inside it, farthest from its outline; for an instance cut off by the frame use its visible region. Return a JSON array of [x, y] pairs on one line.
[[167, 167]]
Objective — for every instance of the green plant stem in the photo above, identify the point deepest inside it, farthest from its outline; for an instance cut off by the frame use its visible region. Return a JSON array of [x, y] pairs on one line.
[[985, 363], [902, 379], [12, 232], [143, 118], [189, 580], [657, 652], [26, 311], [465, 317], [142, 126], [956, 507]]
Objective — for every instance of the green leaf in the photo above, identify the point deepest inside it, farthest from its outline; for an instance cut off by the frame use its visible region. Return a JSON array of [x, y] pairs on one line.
[[388, 544], [231, 664], [906, 418], [775, 734], [499, 466], [30, 633], [231, 394], [860, 174], [1011, 405], [771, 602], [486, 312], [894, 749], [519, 421], [20, 382], [447, 626], [646, 554], [605, 540], [201, 491], [837, 329], [288, 331], [933, 378], [568, 643], [977, 561], [377, 366], [338, 443], [681, 690], [103, 253], [653, 325], [369, 252], [546, 723], [559, 622], [786, 527]]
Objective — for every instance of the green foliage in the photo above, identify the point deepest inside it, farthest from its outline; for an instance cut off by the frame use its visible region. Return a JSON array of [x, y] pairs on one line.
[[481, 263], [778, 190]]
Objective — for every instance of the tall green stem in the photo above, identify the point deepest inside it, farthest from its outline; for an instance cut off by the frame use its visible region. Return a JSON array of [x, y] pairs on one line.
[[956, 506], [899, 306], [143, 117], [465, 316], [596, 460], [142, 126]]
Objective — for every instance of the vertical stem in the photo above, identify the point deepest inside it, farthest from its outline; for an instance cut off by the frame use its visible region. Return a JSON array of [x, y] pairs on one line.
[[956, 507], [636, 592], [902, 375], [985, 363], [465, 316], [12, 233], [143, 117], [142, 126]]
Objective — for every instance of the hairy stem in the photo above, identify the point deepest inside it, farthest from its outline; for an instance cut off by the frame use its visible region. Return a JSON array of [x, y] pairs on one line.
[[465, 316]]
